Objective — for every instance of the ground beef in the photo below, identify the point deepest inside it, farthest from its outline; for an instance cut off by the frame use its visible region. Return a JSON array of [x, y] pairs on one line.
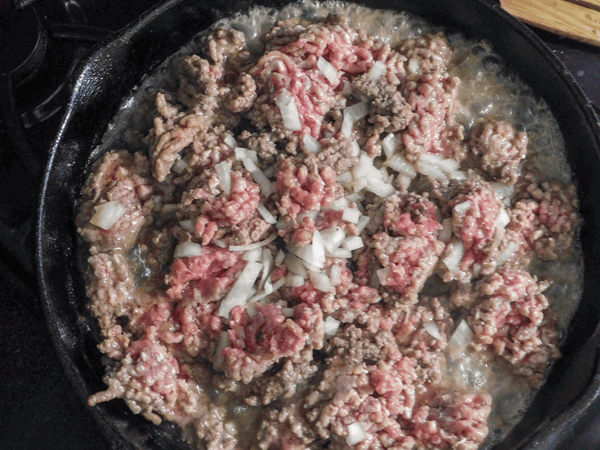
[[509, 318], [499, 149], [291, 297]]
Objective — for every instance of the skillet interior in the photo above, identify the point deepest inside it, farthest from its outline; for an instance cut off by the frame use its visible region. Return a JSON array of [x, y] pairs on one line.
[[117, 65]]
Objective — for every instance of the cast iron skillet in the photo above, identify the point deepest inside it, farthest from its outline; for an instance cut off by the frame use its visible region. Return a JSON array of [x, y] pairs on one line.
[[571, 393]]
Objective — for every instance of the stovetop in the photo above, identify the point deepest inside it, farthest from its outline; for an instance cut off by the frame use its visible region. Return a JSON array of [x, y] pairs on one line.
[[41, 41]]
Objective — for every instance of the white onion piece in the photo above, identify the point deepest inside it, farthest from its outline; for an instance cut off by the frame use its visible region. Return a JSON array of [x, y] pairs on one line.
[[279, 257], [389, 144], [458, 175], [445, 164], [266, 214], [460, 339], [356, 434], [347, 125], [382, 274], [365, 167], [345, 179], [318, 250], [241, 153], [433, 330], [230, 141], [311, 144], [294, 280], [413, 66], [335, 275], [312, 268], [187, 249], [341, 253], [503, 219], [355, 149], [252, 255], [356, 198], [289, 112], [399, 164], [353, 243], [179, 166], [431, 171], [221, 345], [265, 185], [445, 234], [224, 174], [219, 243], [404, 181], [336, 205], [463, 207], [188, 225], [330, 326], [380, 188], [359, 184], [377, 70], [453, 260], [241, 290], [505, 191], [362, 223], [508, 253], [351, 215], [333, 238], [266, 259], [287, 312], [327, 70], [243, 248], [107, 214], [295, 265], [272, 288], [320, 281], [357, 111]]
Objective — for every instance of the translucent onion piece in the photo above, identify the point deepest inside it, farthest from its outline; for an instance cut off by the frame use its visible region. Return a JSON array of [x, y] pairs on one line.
[[243, 248], [252, 255], [351, 215], [320, 281], [462, 208], [266, 214], [389, 144], [460, 339], [399, 164], [433, 330], [508, 253], [107, 214], [335, 275], [224, 174], [294, 280], [353, 243], [311, 144], [333, 238], [188, 225], [266, 187], [241, 290], [330, 326], [230, 141], [503, 219], [187, 249], [362, 223], [453, 260], [356, 434], [377, 70], [382, 274], [179, 166], [221, 345], [327, 70], [289, 111], [431, 171]]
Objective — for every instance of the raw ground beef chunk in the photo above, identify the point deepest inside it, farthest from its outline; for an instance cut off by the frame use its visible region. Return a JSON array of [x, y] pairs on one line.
[[311, 255]]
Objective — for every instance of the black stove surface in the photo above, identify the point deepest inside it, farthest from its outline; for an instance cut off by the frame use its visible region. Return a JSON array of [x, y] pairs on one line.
[[41, 41]]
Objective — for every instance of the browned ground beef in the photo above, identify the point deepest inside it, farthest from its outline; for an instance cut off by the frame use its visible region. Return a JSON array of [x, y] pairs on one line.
[[268, 285]]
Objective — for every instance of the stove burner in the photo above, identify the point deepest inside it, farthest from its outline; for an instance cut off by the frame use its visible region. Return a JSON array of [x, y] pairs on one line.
[[22, 33]]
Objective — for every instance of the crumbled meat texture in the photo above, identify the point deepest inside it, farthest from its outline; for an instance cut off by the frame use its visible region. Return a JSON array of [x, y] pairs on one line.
[[499, 149], [509, 319], [355, 330]]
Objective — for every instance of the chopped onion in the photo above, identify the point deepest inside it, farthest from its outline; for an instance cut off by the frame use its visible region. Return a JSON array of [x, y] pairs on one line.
[[347, 125], [355, 149], [445, 164], [330, 326], [242, 288], [460, 339], [287, 312], [279, 258], [351, 215], [445, 233], [404, 181], [179, 166], [224, 174], [266, 187], [320, 281], [187, 249], [266, 258], [327, 70], [312, 268], [377, 70], [356, 197], [341, 253], [503, 219], [453, 260], [353, 243], [345, 179], [463, 207], [272, 288], [294, 280], [289, 111], [503, 190], [243, 248], [269, 218], [359, 184], [333, 238], [311, 144], [357, 111], [252, 255], [508, 253], [318, 250], [362, 223], [458, 175], [338, 204], [230, 141], [413, 66], [295, 265], [433, 330], [431, 171], [399, 164], [389, 144], [335, 275], [107, 214], [221, 345], [219, 243], [383, 274], [356, 434], [188, 225], [380, 188]]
